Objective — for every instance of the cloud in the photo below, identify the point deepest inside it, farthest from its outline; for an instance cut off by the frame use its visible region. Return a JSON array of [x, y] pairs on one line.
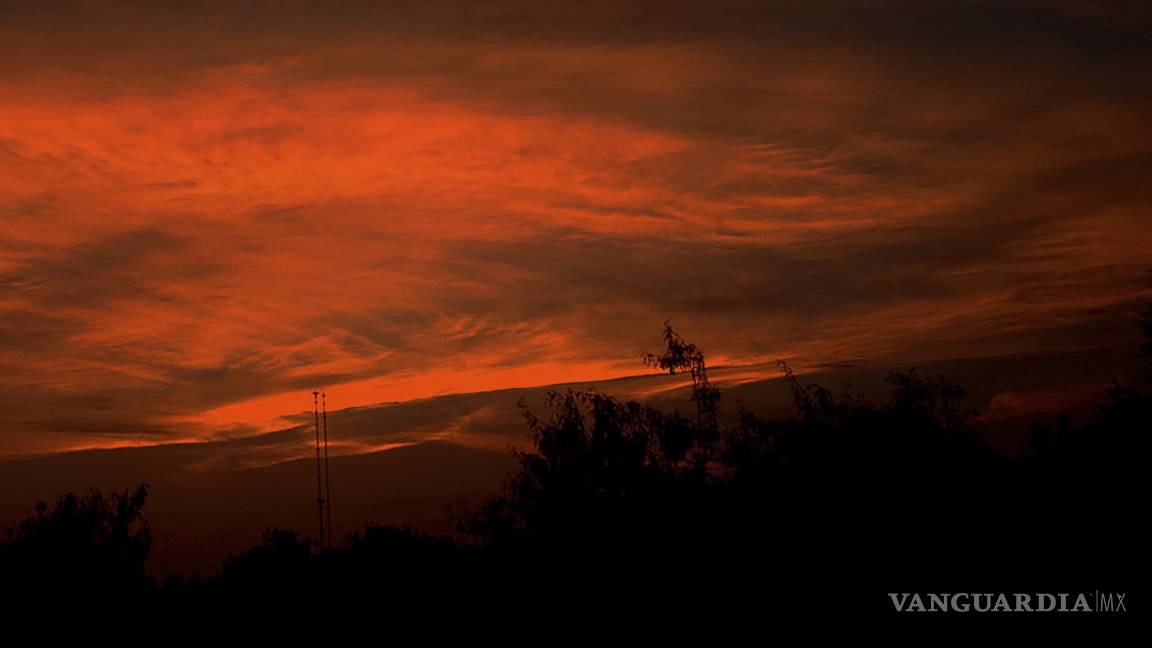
[[207, 210]]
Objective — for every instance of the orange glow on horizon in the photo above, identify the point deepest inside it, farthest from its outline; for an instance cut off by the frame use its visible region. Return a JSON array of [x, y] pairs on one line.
[[269, 412]]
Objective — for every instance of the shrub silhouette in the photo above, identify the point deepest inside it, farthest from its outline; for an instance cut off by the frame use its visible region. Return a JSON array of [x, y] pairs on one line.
[[598, 463], [280, 560], [389, 566], [94, 543]]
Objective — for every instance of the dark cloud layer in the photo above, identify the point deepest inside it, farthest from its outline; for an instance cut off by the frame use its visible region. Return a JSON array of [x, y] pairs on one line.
[[208, 208]]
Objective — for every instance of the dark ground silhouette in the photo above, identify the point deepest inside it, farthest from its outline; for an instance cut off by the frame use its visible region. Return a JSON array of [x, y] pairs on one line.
[[622, 510]]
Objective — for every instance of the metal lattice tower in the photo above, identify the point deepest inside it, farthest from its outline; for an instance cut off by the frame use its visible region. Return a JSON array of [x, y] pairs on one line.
[[327, 472], [319, 469]]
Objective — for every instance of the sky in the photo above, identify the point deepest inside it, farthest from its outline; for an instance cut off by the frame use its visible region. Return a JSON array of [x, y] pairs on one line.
[[209, 208]]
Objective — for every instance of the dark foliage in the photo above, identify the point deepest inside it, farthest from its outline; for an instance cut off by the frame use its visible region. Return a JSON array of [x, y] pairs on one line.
[[95, 544], [849, 495]]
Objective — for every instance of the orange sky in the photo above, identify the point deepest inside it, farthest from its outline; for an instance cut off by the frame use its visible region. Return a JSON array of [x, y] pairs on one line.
[[206, 211]]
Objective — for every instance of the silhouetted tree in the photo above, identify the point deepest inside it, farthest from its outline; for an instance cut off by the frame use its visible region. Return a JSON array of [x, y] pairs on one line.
[[680, 356], [280, 551], [83, 544], [596, 463]]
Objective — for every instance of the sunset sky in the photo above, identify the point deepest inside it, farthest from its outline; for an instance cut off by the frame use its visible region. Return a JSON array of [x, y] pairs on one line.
[[206, 211]]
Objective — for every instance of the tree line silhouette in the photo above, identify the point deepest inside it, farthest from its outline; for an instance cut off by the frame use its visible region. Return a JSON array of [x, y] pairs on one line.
[[643, 509]]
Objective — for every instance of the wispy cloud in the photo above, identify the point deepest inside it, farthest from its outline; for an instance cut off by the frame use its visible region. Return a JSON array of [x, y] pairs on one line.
[[207, 210]]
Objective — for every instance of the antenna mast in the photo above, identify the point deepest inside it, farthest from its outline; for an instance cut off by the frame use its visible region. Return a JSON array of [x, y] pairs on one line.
[[319, 489], [327, 472]]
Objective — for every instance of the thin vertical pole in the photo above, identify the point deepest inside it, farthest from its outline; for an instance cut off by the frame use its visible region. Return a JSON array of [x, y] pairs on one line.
[[327, 472], [319, 490]]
